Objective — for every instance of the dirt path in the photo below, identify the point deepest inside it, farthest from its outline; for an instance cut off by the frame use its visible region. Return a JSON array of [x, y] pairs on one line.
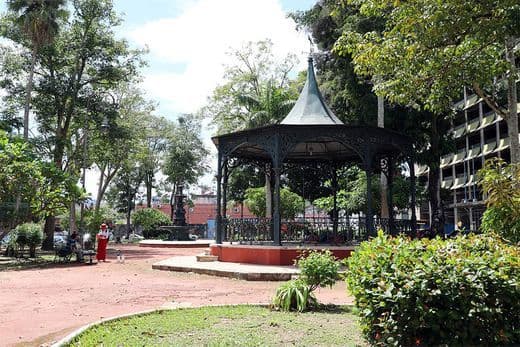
[[42, 305]]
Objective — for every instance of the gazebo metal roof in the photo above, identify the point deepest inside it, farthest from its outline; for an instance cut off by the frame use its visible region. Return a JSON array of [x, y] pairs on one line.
[[310, 108]]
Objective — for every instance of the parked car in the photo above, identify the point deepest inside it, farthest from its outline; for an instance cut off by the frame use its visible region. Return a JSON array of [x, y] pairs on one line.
[[60, 238]]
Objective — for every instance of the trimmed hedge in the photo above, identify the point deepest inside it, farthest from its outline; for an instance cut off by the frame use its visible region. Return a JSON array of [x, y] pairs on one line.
[[461, 291]]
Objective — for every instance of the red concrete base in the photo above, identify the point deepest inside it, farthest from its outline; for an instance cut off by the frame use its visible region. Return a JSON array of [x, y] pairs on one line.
[[271, 255]]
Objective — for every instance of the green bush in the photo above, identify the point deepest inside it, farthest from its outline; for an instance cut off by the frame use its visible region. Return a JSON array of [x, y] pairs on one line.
[[29, 234], [461, 291], [149, 219], [501, 184], [294, 295], [317, 269]]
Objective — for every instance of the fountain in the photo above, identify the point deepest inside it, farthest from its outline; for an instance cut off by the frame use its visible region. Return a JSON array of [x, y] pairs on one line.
[[179, 231]]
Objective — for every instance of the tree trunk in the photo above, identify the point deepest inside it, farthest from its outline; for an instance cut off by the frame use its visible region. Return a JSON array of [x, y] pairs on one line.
[[100, 188], [384, 184], [512, 100], [72, 218], [434, 184], [48, 242], [148, 182], [28, 92]]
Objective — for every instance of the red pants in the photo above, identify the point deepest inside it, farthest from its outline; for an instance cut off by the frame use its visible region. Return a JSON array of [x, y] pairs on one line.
[[102, 249]]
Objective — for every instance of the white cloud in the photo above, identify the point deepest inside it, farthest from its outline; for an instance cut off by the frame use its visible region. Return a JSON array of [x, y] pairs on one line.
[[200, 37]]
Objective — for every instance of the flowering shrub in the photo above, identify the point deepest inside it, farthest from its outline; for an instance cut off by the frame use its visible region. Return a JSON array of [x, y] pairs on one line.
[[461, 291]]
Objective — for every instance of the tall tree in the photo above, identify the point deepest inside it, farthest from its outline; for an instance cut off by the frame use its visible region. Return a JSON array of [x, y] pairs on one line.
[[257, 90], [429, 50], [73, 71], [129, 131], [185, 159], [38, 19], [157, 130]]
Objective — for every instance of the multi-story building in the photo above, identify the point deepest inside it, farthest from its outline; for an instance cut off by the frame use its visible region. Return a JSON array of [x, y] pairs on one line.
[[479, 134]]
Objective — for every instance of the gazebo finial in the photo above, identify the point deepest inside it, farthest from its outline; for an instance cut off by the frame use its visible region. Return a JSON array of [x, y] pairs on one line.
[[310, 108]]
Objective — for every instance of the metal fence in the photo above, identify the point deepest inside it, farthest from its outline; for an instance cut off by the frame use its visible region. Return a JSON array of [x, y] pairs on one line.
[[310, 230]]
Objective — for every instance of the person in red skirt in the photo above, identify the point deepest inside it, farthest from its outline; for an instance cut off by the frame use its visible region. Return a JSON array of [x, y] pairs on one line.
[[102, 240]]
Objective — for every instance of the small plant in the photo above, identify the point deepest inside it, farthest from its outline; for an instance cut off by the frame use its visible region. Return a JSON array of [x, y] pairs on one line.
[[294, 295], [317, 269]]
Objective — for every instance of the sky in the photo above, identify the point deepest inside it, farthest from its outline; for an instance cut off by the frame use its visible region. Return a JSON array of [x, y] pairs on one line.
[[187, 42]]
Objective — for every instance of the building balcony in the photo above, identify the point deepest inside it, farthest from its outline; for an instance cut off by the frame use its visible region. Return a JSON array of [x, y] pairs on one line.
[[473, 125], [488, 120], [473, 152], [489, 147], [446, 160]]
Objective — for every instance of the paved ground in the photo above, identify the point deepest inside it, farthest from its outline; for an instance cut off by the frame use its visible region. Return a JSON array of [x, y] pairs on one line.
[[42, 305]]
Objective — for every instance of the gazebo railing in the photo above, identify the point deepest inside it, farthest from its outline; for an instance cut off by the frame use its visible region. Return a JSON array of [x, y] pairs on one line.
[[350, 230], [247, 230]]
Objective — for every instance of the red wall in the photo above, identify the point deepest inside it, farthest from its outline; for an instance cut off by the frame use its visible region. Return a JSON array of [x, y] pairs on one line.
[[200, 213], [268, 255]]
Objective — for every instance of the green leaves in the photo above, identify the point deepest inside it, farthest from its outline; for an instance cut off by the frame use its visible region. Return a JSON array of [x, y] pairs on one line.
[[500, 183], [290, 203], [294, 295], [318, 268], [149, 219], [460, 291]]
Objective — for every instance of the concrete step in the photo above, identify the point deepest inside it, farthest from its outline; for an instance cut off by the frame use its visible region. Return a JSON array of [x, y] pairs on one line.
[[206, 258]]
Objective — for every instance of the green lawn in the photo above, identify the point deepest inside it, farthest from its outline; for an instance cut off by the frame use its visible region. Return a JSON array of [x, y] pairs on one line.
[[228, 326]]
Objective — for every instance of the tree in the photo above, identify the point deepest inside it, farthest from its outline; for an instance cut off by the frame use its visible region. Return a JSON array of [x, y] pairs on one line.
[[38, 19], [157, 130], [185, 155], [290, 203], [123, 189], [25, 176], [428, 51], [351, 96], [73, 72], [257, 91], [242, 177], [132, 129]]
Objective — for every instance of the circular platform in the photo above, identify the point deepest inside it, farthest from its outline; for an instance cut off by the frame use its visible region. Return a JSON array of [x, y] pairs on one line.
[[271, 255], [175, 244]]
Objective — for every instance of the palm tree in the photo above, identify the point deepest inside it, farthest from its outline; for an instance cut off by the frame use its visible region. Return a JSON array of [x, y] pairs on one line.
[[38, 21]]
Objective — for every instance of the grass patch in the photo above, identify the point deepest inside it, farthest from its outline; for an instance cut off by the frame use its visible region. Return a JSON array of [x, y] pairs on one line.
[[42, 260], [228, 326]]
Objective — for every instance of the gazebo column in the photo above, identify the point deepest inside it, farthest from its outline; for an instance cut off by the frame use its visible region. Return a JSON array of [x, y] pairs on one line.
[[276, 207], [369, 210], [225, 176], [412, 196], [218, 217], [389, 199], [335, 201], [277, 220]]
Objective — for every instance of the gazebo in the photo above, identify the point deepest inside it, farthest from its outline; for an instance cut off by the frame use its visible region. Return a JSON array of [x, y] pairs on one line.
[[310, 133]]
